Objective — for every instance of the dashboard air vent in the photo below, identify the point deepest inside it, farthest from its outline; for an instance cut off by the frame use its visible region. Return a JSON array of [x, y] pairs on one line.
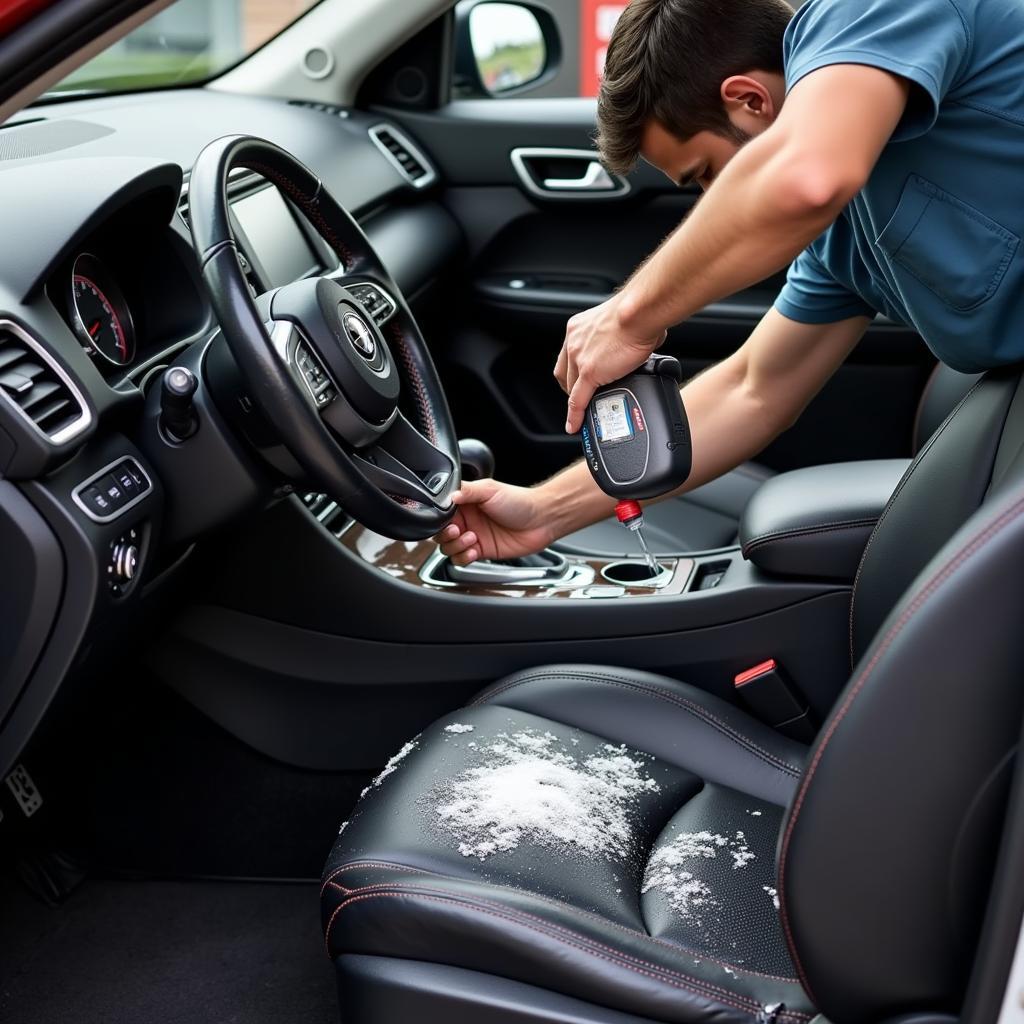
[[239, 180], [410, 161], [38, 388], [324, 108]]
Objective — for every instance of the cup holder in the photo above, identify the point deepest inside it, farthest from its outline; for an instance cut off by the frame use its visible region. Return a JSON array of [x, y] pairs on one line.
[[635, 573]]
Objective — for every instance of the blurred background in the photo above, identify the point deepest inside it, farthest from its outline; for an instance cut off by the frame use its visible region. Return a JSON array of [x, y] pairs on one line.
[[194, 39]]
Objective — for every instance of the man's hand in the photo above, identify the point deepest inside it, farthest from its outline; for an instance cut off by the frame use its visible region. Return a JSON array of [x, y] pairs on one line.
[[598, 350], [496, 521]]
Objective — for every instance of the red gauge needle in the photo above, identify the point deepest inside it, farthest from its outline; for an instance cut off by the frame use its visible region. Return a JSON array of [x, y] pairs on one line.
[[92, 330]]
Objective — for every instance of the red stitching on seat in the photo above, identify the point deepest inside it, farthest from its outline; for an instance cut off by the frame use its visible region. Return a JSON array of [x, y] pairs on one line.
[[695, 986], [919, 601], [673, 947], [695, 709]]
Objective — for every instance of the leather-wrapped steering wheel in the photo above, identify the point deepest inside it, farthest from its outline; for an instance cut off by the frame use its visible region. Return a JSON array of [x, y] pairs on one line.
[[316, 362]]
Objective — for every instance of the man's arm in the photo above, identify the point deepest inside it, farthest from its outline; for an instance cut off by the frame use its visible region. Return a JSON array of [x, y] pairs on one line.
[[735, 409], [778, 194]]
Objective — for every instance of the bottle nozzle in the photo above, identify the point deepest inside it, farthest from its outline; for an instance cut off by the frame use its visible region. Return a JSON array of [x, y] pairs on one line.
[[629, 513]]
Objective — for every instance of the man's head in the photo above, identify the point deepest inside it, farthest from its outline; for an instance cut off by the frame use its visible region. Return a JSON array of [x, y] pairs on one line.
[[687, 82]]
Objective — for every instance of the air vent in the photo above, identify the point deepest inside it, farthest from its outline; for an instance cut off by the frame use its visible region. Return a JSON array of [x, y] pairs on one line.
[[38, 388], [241, 179], [410, 161], [183, 203], [324, 108]]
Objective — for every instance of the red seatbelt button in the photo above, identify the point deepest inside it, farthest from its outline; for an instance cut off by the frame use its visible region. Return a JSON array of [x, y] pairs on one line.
[[752, 673]]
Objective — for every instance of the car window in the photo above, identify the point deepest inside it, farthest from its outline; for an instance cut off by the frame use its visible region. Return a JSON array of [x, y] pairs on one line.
[[190, 41]]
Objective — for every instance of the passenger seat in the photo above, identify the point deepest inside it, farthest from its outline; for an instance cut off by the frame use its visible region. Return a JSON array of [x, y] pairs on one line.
[[708, 517]]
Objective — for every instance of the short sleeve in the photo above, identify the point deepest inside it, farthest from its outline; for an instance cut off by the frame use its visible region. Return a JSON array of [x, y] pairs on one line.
[[925, 41], [811, 295]]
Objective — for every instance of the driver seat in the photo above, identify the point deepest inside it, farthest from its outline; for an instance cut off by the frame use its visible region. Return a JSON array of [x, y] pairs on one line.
[[592, 844]]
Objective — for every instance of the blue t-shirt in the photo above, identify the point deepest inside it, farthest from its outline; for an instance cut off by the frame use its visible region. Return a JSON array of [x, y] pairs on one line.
[[933, 238]]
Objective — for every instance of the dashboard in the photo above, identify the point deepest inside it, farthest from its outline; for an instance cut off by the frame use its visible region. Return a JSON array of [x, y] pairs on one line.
[[127, 292], [100, 292]]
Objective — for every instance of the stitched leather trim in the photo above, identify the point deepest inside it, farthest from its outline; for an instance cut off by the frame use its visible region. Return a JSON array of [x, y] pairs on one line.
[[694, 709], [419, 390], [694, 986], [673, 947], [806, 531], [992, 530], [895, 495]]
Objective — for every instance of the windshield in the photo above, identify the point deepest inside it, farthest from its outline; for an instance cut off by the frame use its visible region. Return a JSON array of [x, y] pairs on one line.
[[187, 42]]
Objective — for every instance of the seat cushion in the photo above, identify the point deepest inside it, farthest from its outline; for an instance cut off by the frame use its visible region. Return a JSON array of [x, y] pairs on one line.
[[701, 520], [604, 834]]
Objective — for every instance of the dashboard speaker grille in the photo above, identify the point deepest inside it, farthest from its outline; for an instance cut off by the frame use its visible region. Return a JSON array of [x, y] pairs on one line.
[[38, 389], [19, 143]]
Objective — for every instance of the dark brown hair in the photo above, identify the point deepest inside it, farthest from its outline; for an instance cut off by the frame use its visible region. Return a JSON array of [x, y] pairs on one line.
[[667, 60]]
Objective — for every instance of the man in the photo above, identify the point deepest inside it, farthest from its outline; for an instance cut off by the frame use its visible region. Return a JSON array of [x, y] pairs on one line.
[[874, 145]]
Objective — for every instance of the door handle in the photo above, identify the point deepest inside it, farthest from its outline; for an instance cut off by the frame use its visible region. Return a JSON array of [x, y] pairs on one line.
[[538, 170], [594, 179]]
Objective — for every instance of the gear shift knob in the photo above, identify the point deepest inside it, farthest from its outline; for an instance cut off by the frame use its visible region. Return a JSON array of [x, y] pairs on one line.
[[177, 416], [477, 459]]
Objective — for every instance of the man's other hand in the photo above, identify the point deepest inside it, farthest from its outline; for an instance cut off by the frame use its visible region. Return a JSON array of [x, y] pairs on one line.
[[598, 349], [496, 520]]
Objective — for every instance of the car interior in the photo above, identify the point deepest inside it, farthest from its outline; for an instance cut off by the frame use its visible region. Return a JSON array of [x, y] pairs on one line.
[[268, 755]]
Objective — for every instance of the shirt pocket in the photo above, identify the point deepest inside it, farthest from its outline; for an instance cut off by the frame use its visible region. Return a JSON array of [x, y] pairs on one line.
[[950, 247]]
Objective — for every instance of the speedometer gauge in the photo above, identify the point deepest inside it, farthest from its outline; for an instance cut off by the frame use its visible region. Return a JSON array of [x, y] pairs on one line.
[[100, 315]]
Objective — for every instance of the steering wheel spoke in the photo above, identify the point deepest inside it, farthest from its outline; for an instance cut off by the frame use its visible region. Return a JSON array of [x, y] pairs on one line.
[[297, 355], [404, 464]]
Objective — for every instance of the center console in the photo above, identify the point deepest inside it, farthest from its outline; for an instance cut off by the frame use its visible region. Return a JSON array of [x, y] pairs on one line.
[[342, 616], [546, 576]]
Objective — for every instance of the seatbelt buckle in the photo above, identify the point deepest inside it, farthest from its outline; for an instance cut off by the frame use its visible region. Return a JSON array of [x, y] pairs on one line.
[[773, 699]]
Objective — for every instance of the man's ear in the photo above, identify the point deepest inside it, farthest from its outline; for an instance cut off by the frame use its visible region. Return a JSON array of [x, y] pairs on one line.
[[749, 101]]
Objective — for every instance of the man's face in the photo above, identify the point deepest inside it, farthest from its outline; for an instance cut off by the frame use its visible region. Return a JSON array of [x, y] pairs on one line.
[[752, 102], [698, 160]]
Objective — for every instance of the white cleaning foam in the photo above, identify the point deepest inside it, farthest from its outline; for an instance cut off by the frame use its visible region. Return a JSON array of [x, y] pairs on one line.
[[533, 788]]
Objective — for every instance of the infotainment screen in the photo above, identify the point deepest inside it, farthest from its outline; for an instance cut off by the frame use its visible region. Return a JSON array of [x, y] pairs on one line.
[[274, 237]]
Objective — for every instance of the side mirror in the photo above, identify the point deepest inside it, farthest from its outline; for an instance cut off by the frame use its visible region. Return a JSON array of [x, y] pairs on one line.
[[503, 49]]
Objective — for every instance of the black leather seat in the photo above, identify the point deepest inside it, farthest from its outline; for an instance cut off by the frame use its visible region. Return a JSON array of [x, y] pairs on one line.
[[598, 845], [708, 517]]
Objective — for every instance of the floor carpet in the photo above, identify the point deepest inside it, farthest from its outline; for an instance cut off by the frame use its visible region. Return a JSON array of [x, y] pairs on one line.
[[168, 952]]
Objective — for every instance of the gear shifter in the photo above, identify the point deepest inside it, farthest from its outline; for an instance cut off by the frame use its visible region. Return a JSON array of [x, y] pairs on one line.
[[177, 414], [477, 459]]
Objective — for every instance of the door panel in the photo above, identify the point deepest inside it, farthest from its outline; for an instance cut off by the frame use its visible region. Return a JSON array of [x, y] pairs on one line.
[[533, 260]]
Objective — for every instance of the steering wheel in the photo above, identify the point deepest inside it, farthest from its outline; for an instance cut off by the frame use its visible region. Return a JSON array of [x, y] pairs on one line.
[[316, 362]]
